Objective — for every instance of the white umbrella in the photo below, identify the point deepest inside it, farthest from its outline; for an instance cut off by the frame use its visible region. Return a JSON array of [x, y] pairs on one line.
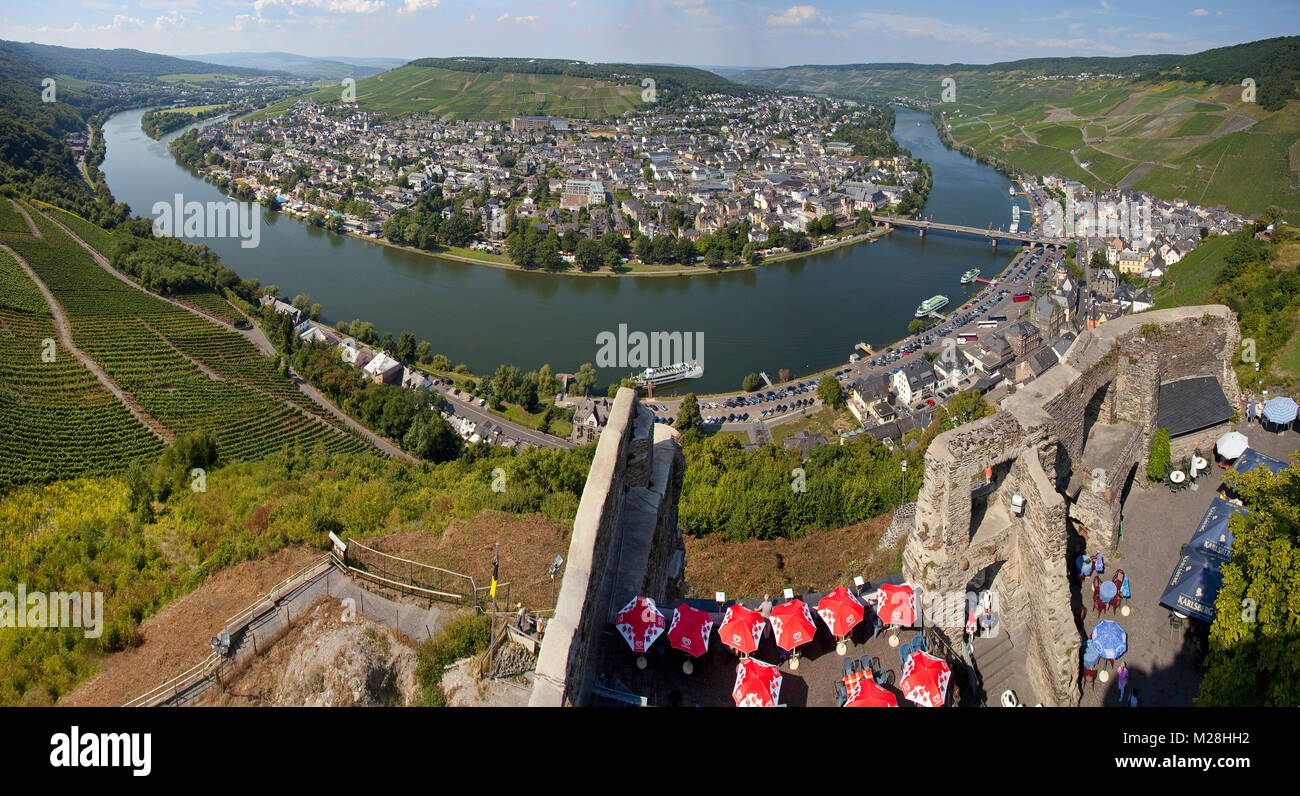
[[1232, 444]]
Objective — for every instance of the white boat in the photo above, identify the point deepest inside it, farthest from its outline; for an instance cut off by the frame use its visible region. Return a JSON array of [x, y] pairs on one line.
[[653, 377]]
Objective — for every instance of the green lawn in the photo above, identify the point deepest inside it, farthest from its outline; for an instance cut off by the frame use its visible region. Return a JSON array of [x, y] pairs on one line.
[[1192, 279]]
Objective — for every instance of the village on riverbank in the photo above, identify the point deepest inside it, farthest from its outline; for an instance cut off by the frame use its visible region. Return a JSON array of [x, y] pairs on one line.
[[724, 182]]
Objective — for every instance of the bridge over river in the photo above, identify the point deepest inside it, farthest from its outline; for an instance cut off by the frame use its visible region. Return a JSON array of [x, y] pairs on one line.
[[994, 235]]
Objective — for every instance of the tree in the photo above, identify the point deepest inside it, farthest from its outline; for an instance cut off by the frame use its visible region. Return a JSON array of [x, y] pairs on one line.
[[1252, 650], [829, 391], [588, 255], [751, 382], [405, 347], [915, 325], [440, 362], [431, 438], [784, 375], [584, 381], [685, 251], [387, 343], [424, 352], [750, 254], [688, 415]]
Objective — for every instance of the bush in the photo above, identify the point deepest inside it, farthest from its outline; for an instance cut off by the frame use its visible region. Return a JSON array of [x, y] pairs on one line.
[[1158, 460], [461, 638]]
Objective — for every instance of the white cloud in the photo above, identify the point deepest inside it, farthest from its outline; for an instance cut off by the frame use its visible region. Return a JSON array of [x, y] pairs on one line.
[[412, 6], [327, 6], [503, 17], [1200, 12], [470, 18], [1156, 36], [796, 16], [1076, 25], [97, 5]]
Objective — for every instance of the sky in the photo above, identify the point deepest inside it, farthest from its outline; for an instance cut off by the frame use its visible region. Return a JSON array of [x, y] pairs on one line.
[[696, 32]]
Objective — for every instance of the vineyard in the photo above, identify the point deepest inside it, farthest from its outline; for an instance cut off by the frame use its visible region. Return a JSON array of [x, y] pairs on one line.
[[10, 219], [58, 421], [103, 242], [150, 348]]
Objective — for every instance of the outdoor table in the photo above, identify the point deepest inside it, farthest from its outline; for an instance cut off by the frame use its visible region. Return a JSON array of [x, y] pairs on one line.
[[1091, 655], [1107, 591]]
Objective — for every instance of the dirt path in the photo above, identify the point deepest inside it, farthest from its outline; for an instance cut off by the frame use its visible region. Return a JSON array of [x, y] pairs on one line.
[[64, 330], [177, 637], [36, 231], [257, 338]]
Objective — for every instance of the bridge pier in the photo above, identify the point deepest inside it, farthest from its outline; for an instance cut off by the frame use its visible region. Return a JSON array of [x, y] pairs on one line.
[[994, 241], [921, 230]]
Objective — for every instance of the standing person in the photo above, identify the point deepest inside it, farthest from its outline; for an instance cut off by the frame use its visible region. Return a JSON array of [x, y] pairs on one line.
[[1122, 677], [1133, 699], [1250, 411]]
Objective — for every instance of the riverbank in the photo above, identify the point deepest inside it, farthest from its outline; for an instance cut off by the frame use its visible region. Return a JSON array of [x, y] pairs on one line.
[[634, 269]]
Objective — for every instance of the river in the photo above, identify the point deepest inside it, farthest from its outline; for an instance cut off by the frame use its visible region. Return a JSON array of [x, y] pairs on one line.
[[804, 314]]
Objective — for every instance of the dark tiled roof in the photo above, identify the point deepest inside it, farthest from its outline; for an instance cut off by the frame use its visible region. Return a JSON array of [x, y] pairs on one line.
[[1189, 405]]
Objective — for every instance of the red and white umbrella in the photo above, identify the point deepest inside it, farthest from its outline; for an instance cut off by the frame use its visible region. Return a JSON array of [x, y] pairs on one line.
[[741, 629], [872, 695], [792, 623], [925, 679], [841, 611], [757, 684], [640, 623], [896, 605], [690, 630]]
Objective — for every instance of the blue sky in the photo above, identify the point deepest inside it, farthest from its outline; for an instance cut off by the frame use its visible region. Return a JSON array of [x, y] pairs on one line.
[[702, 32]]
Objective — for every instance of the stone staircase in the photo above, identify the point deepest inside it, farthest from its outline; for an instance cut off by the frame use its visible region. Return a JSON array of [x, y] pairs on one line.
[[1000, 661]]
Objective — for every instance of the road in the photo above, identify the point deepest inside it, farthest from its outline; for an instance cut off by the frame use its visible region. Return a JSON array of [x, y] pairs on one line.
[[480, 415], [846, 375]]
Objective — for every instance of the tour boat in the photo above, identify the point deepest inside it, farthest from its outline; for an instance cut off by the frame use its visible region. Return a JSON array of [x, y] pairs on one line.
[[653, 377], [930, 305]]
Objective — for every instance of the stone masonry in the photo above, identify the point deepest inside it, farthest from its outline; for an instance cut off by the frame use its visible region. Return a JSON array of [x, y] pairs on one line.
[[625, 543], [1062, 452]]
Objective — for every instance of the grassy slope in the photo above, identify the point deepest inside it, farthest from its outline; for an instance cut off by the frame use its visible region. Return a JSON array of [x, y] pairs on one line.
[[1192, 279], [1173, 139], [470, 95]]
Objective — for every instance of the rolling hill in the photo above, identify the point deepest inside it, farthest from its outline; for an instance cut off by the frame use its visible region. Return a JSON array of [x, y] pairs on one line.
[[496, 96], [304, 66], [1176, 126], [498, 88]]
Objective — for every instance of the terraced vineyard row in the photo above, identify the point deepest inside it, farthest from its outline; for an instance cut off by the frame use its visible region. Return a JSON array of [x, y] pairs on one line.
[[102, 240], [57, 421], [111, 321], [10, 219]]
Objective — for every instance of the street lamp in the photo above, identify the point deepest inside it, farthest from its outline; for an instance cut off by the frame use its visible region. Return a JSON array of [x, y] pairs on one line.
[[554, 571], [902, 480]]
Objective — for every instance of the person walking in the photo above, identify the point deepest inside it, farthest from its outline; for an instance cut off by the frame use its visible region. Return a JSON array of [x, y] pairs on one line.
[[1133, 699], [1122, 677], [1250, 411]]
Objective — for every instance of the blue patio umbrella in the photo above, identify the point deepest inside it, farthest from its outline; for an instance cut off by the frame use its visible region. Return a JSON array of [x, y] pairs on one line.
[[1111, 639], [1280, 410], [1212, 536], [1194, 585], [1252, 458], [1091, 654]]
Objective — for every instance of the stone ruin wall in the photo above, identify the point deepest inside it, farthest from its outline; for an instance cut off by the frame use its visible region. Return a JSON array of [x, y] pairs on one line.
[[1042, 430], [636, 461]]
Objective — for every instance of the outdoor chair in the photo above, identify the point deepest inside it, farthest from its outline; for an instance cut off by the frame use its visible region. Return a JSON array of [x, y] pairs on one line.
[[1176, 626], [919, 643], [876, 626], [887, 678], [904, 652], [877, 671], [1090, 677], [841, 695], [848, 666], [864, 665]]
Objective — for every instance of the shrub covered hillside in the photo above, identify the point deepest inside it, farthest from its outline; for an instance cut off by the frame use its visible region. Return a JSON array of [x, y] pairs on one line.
[[146, 539]]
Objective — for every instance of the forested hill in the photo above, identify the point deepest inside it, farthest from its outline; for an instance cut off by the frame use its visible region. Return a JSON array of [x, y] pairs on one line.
[[1274, 65], [114, 65]]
